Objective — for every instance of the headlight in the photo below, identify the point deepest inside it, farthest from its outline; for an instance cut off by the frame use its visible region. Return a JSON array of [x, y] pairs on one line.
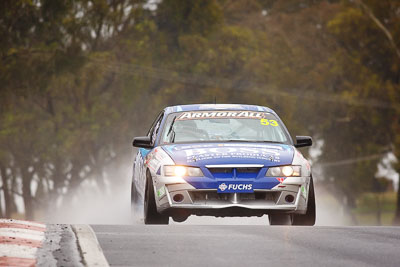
[[284, 171], [181, 171]]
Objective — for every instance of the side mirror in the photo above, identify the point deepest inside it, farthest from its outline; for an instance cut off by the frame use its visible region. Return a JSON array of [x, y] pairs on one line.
[[142, 141], [303, 141]]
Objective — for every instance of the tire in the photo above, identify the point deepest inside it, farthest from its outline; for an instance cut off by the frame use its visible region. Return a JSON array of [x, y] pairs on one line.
[[280, 219], [151, 216], [307, 219], [136, 215]]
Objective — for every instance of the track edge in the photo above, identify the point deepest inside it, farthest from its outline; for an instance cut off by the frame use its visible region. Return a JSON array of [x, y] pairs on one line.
[[88, 246]]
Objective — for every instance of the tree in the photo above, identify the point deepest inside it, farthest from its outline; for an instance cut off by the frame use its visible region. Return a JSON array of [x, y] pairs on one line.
[[76, 78]]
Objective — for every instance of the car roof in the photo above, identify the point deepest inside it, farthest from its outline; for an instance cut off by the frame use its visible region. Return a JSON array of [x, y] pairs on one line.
[[197, 107]]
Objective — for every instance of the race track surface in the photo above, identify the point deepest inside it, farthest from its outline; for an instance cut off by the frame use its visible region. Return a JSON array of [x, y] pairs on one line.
[[249, 245]]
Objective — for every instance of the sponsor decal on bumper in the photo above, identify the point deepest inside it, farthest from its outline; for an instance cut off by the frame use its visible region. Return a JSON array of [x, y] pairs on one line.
[[161, 192], [235, 187]]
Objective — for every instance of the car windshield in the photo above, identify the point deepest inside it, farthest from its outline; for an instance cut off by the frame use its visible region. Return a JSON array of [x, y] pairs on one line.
[[211, 126]]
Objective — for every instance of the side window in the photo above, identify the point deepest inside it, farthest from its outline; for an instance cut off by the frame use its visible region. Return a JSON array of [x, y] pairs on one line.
[[155, 131], [155, 127]]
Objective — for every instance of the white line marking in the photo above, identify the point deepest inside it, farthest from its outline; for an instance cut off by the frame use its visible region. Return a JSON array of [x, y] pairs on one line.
[[17, 251], [89, 247]]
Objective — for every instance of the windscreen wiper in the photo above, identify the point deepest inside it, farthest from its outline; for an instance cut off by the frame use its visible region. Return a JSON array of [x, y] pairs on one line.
[[271, 142], [238, 140], [170, 130], [254, 141]]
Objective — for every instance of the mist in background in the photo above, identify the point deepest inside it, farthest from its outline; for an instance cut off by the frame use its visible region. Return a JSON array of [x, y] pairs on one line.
[[92, 206], [78, 80]]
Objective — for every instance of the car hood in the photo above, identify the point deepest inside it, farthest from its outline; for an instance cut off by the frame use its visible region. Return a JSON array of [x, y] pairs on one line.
[[230, 153]]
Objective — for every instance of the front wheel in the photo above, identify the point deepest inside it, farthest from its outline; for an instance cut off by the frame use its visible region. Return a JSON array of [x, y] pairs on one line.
[[151, 216], [136, 208]]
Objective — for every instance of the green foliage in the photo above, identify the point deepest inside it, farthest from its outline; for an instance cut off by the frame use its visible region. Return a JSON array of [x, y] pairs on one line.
[[78, 79], [177, 17], [376, 208]]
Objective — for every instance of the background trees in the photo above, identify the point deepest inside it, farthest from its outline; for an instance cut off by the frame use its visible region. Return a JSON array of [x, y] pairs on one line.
[[79, 79]]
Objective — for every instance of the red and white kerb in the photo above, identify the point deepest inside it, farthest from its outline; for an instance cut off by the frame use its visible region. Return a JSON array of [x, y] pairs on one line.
[[19, 242]]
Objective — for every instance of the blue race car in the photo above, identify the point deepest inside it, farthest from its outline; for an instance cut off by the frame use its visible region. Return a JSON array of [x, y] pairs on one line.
[[221, 160]]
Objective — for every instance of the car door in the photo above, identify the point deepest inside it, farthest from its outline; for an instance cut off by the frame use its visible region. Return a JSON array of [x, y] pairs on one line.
[[139, 172]]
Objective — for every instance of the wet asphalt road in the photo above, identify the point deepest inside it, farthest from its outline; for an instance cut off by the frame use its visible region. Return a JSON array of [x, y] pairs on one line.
[[251, 245]]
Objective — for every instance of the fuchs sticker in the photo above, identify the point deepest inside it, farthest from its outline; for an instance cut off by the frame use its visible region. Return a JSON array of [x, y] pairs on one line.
[[235, 187]]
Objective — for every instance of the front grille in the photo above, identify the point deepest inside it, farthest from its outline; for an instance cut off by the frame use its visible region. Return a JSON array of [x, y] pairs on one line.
[[262, 196], [222, 172], [207, 196], [240, 172], [249, 172]]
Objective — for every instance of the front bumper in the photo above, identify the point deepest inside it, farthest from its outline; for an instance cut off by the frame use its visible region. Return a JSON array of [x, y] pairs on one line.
[[179, 195]]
